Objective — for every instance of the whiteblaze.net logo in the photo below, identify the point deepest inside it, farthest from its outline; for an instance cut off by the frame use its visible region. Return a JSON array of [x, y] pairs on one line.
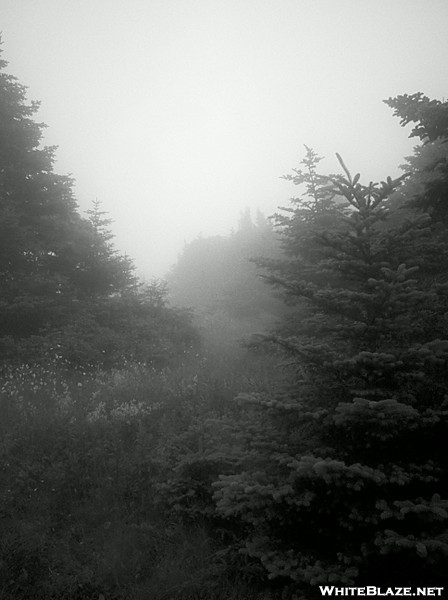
[[372, 590]]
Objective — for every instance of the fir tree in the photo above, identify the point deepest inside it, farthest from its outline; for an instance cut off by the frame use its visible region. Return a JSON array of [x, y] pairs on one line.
[[105, 271], [65, 291], [344, 480], [41, 234]]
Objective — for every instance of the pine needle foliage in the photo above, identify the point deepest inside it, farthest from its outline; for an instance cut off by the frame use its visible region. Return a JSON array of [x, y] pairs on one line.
[[344, 476]]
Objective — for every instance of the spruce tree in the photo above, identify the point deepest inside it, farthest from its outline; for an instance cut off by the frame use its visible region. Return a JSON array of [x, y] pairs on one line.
[[104, 271], [41, 233], [344, 477], [65, 292]]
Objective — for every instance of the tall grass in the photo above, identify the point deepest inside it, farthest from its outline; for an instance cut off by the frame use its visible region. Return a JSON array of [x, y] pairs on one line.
[[106, 480]]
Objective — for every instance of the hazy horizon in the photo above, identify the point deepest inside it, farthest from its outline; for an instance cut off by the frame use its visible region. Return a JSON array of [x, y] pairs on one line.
[[177, 115]]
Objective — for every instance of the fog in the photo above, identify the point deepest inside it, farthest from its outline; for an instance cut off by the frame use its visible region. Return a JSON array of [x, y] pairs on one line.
[[177, 115]]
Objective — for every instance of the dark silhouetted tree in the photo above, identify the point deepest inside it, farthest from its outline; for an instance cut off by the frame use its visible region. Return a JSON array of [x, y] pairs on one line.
[[344, 479], [65, 291], [42, 237]]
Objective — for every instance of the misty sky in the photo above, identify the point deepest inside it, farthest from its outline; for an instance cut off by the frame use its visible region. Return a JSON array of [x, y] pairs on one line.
[[177, 114]]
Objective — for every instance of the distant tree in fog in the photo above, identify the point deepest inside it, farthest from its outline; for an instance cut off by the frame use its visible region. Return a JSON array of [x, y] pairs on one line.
[[217, 276]]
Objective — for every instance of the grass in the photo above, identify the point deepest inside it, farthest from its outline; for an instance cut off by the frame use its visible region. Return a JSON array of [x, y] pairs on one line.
[[99, 474]]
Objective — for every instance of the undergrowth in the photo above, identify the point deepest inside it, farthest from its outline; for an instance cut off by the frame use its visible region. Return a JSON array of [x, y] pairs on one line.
[[106, 481]]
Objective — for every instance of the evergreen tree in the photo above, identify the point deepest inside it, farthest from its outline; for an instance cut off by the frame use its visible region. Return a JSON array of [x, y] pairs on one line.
[[41, 234], [427, 185], [65, 291], [344, 478], [104, 271], [301, 225], [430, 116]]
